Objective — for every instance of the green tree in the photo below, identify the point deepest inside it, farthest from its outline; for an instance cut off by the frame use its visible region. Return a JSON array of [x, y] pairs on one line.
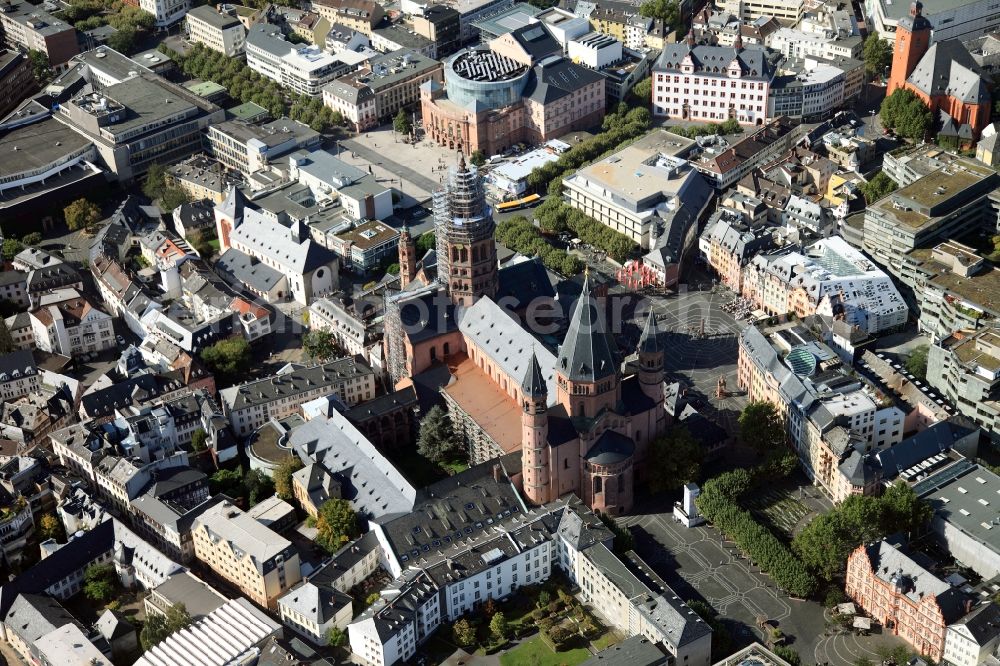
[[463, 633], [916, 362], [229, 360], [227, 482], [335, 637], [34, 238], [319, 345], [679, 457], [477, 158], [40, 66], [198, 439], [154, 632], [761, 427], [907, 114], [425, 242], [11, 248], [172, 197], [336, 524], [201, 244], [826, 542], [123, 40], [877, 55], [158, 627], [156, 181], [283, 477], [668, 11], [498, 626], [50, 527], [81, 214], [100, 582], [6, 340], [788, 654], [643, 91], [437, 440], [401, 123], [878, 187], [258, 486]]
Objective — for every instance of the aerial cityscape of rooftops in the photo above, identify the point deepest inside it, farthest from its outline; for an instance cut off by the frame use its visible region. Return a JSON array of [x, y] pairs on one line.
[[501, 332]]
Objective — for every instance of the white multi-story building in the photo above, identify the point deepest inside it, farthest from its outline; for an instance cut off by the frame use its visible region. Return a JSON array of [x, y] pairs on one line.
[[810, 93], [595, 50], [18, 375], [222, 32], [828, 278], [746, 10], [250, 148], [974, 639], [377, 92], [521, 550], [251, 405], [66, 323], [801, 44], [303, 69], [167, 12], [713, 83]]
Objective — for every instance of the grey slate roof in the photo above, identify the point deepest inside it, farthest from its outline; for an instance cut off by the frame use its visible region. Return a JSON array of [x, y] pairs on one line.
[[611, 448], [756, 62], [533, 384], [536, 41], [555, 77], [506, 342], [650, 341], [983, 622], [633, 651], [244, 269], [890, 563], [938, 438], [586, 353], [297, 380], [20, 360], [948, 69], [319, 603], [367, 479]]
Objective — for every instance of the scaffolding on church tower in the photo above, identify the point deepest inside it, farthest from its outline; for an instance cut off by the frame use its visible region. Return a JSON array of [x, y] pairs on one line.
[[461, 216]]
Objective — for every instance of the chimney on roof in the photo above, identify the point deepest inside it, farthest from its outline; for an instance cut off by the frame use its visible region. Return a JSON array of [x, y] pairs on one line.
[[497, 472]]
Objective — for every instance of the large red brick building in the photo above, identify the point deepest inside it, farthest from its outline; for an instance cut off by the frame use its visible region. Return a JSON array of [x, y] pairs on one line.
[[904, 597], [943, 75]]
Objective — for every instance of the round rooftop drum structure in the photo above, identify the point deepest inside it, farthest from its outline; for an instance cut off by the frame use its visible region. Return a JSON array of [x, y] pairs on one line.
[[480, 79]]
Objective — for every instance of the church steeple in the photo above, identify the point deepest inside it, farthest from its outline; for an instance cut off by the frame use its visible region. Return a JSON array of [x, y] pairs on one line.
[[533, 384], [651, 372], [587, 372], [587, 352], [534, 434]]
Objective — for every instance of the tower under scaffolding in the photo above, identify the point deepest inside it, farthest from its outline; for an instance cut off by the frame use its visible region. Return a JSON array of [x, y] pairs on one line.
[[464, 229]]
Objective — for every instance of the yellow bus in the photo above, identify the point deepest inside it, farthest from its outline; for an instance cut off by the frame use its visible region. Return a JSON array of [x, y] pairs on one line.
[[518, 203]]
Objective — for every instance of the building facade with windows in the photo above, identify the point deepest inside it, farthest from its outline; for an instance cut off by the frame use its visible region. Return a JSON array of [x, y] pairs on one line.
[[222, 32], [249, 406], [713, 83], [262, 564]]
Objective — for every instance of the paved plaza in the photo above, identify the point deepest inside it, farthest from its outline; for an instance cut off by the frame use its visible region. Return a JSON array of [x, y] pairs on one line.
[[702, 345], [699, 563], [420, 167]]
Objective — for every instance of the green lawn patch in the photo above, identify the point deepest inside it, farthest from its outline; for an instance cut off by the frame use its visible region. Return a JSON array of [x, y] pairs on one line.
[[779, 509], [538, 653], [607, 639], [214, 243]]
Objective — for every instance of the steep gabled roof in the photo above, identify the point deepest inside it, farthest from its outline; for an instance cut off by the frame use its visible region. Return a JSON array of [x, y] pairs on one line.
[[586, 354], [948, 69]]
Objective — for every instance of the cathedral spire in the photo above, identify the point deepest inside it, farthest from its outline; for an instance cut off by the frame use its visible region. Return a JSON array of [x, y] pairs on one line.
[[649, 341], [587, 352], [533, 384]]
